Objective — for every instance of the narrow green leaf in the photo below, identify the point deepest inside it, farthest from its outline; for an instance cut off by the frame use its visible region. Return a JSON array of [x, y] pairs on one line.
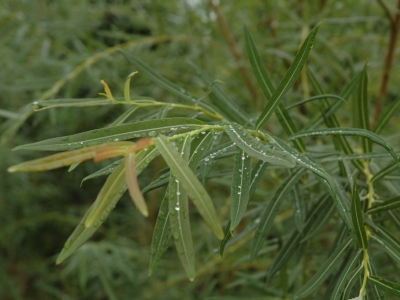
[[256, 175], [118, 133], [271, 210], [190, 184], [289, 79], [122, 118], [161, 234], [133, 185], [179, 215], [226, 107], [255, 148], [388, 243], [385, 171], [352, 280], [329, 111], [240, 187], [345, 273], [343, 206], [226, 238], [299, 208], [385, 117], [104, 171], [377, 293], [362, 108], [324, 271], [199, 147], [385, 206], [292, 244], [319, 97], [357, 219], [386, 285], [348, 131]]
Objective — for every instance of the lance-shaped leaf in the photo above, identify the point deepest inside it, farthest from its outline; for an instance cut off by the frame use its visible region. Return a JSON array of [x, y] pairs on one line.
[[133, 185], [377, 293], [290, 77], [356, 274], [268, 88], [255, 148], [385, 171], [111, 192], [161, 234], [149, 128], [324, 271], [385, 206], [348, 131], [179, 215], [104, 171], [272, 209], [388, 242], [344, 274], [362, 108], [240, 187], [293, 242], [190, 184], [198, 148], [143, 158], [385, 117], [357, 219], [63, 159], [385, 285]]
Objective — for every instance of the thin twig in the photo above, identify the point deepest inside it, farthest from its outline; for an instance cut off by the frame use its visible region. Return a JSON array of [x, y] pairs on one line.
[[394, 29], [233, 49]]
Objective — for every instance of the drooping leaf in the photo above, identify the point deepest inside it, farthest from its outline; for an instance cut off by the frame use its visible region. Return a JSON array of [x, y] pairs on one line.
[[348, 131], [344, 274], [161, 234], [179, 215], [199, 147], [318, 97], [255, 148], [357, 219], [385, 285], [272, 209], [385, 171], [149, 128], [356, 274], [190, 184], [122, 118], [324, 271], [377, 293], [133, 185], [289, 79], [388, 243], [240, 187]]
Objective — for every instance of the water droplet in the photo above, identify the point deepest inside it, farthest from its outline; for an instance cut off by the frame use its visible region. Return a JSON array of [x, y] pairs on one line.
[[177, 208], [65, 138], [176, 236], [152, 133], [178, 193], [239, 193], [121, 191], [96, 224]]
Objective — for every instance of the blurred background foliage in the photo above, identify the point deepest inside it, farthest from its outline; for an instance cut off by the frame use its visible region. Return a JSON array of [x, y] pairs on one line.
[[61, 49]]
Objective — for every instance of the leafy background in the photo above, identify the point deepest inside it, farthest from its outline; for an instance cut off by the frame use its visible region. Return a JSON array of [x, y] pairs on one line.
[[43, 42]]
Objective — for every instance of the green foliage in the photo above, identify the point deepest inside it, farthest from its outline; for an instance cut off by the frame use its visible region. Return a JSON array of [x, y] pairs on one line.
[[300, 183]]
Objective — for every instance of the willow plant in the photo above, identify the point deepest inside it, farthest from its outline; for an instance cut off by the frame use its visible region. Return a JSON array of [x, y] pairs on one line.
[[344, 177]]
